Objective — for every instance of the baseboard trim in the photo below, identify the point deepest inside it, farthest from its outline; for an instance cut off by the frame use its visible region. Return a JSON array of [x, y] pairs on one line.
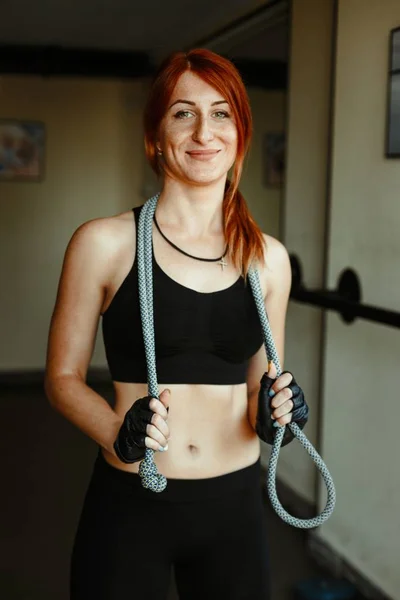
[[36, 377], [323, 555], [326, 557]]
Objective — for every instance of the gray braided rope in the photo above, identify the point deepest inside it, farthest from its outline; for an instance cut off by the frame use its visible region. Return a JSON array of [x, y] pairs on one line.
[[295, 429], [151, 479]]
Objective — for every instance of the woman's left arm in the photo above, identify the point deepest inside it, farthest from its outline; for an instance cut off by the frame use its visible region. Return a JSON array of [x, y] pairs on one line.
[[277, 276]]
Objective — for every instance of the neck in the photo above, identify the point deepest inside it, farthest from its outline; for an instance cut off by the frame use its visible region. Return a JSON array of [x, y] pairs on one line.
[[194, 209]]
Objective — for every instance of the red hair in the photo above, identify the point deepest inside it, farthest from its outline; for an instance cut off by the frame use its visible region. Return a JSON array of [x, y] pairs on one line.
[[243, 236]]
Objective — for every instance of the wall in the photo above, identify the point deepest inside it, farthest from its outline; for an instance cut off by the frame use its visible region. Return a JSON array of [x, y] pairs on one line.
[[304, 212], [94, 167], [361, 407], [269, 115], [355, 422]]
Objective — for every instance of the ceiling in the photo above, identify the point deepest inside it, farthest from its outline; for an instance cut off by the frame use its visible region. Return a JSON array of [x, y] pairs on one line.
[[155, 27]]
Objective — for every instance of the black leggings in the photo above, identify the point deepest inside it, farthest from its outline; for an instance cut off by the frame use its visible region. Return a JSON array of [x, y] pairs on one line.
[[212, 531]]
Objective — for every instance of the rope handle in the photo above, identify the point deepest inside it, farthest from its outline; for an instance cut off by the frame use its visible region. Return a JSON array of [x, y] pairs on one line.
[[151, 479]]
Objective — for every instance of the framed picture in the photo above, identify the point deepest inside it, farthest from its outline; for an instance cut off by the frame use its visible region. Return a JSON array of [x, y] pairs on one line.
[[393, 118], [274, 159], [22, 147]]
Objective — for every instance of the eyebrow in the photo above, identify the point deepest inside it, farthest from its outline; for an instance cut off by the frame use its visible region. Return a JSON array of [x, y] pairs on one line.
[[194, 103]]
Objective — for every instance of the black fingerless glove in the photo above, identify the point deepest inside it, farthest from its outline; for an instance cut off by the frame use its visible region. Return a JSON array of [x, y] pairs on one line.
[[130, 444], [265, 425]]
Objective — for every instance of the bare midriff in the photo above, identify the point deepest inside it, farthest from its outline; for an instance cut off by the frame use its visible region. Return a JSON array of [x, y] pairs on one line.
[[210, 434]]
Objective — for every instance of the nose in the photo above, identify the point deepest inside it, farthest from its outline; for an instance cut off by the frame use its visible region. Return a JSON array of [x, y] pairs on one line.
[[203, 132]]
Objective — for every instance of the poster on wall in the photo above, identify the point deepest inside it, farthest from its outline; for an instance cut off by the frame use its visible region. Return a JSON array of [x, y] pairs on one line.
[[393, 122], [273, 159], [22, 145]]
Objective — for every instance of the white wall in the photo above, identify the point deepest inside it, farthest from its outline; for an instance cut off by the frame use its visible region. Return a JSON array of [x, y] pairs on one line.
[[304, 212], [94, 167], [360, 408], [361, 405], [269, 116]]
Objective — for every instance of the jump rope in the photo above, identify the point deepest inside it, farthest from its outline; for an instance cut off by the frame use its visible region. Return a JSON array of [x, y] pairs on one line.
[[150, 477]]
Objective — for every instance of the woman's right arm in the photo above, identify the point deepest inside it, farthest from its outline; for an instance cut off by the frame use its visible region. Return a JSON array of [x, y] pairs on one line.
[[86, 270]]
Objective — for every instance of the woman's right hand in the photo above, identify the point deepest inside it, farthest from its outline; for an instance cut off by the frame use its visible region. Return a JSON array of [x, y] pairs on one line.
[[144, 426]]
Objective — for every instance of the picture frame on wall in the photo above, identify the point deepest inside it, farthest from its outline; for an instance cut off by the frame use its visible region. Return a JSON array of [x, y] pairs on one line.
[[22, 150], [393, 111], [273, 159]]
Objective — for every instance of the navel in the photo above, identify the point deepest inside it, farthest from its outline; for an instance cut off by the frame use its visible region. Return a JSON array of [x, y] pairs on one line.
[[193, 449]]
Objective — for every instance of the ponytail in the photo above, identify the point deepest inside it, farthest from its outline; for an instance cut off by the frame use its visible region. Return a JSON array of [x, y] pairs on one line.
[[246, 243]]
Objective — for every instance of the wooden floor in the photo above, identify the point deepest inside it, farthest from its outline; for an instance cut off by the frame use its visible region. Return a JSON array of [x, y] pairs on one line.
[[46, 464]]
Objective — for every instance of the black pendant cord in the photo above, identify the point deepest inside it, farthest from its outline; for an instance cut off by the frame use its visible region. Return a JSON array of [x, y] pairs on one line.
[[185, 253]]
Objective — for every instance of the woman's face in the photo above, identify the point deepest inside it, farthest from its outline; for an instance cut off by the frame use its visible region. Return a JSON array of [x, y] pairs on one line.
[[198, 135]]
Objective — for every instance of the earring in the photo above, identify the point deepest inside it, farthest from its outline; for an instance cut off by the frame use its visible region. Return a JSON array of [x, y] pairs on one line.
[[159, 151]]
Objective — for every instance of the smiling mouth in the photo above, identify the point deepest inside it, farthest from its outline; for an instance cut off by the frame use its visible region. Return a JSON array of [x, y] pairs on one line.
[[203, 154]]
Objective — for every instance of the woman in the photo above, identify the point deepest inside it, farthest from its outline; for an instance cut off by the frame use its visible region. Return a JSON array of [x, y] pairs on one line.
[[209, 522]]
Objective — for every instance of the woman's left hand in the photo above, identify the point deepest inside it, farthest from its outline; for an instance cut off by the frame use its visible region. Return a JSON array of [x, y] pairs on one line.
[[280, 401]]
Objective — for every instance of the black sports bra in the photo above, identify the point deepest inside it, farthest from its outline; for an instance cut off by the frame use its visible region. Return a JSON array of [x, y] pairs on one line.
[[199, 337]]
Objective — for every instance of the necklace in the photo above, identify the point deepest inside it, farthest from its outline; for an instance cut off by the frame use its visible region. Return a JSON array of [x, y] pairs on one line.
[[221, 260]]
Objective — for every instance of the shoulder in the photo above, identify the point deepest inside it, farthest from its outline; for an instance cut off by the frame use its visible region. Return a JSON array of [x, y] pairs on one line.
[[276, 254], [105, 233], [277, 272], [102, 240]]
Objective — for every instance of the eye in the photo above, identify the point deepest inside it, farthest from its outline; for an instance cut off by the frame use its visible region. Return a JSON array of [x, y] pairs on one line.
[[183, 114], [221, 114]]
